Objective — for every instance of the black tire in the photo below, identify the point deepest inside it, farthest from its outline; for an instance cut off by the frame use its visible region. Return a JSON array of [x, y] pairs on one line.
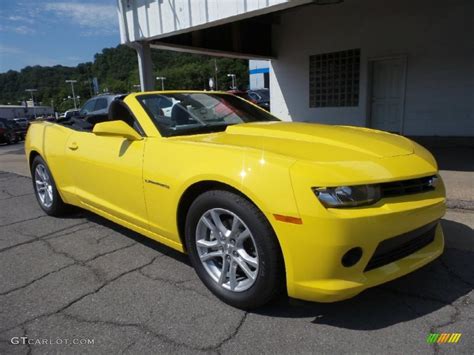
[[57, 207], [270, 279]]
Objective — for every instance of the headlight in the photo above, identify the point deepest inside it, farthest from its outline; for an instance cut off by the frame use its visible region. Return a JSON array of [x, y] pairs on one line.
[[347, 196]]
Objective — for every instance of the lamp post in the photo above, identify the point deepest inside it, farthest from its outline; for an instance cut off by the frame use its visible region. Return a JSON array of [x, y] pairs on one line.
[[73, 94], [31, 91], [162, 78], [233, 80]]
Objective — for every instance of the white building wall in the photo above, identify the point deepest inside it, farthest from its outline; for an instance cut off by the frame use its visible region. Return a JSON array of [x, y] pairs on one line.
[[256, 75], [433, 34]]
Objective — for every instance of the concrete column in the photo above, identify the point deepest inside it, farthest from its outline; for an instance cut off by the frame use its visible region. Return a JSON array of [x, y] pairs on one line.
[[145, 66]]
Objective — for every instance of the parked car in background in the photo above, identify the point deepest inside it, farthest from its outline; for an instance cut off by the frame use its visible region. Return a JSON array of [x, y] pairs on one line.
[[240, 93], [70, 113], [261, 97], [9, 131], [97, 106], [22, 125], [22, 122]]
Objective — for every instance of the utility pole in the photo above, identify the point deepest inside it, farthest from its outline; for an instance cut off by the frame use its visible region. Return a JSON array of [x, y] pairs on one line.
[[31, 91], [89, 83], [73, 94], [162, 78], [233, 80]]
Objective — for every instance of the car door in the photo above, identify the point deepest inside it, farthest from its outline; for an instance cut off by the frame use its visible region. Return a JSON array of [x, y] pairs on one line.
[[107, 174]]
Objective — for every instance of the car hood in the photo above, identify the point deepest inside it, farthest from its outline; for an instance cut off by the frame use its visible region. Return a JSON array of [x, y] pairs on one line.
[[309, 141]]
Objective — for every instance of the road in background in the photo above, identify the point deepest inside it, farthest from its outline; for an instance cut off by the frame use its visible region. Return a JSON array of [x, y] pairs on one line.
[[12, 159]]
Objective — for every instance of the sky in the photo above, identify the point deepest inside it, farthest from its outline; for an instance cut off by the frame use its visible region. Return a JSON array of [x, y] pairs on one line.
[[49, 32]]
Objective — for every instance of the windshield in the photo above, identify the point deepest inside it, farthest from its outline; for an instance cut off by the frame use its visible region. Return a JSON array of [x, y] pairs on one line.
[[194, 113]]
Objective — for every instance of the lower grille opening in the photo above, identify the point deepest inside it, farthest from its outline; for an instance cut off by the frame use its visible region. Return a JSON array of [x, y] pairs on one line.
[[401, 246]]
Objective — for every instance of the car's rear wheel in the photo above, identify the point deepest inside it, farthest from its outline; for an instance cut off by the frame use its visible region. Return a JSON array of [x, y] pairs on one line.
[[234, 249], [45, 189]]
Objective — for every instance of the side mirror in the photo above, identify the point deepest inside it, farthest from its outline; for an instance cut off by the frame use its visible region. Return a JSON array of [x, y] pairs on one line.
[[117, 129]]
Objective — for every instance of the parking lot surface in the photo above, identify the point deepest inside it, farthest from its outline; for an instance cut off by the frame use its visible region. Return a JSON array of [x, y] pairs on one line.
[[83, 278]]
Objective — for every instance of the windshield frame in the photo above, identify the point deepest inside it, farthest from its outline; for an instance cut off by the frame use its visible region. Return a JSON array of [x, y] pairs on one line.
[[205, 128]]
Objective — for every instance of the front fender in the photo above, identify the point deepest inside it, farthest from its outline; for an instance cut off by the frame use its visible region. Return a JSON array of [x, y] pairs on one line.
[[172, 167]]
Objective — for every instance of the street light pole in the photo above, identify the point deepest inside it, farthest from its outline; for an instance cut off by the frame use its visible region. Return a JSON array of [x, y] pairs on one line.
[[31, 91], [233, 80], [73, 94], [162, 78]]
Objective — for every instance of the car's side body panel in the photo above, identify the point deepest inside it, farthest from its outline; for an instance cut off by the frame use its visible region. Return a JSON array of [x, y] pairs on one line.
[[107, 174], [171, 166], [51, 142]]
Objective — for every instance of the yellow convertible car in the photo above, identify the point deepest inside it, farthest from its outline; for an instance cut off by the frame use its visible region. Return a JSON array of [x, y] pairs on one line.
[[260, 205]]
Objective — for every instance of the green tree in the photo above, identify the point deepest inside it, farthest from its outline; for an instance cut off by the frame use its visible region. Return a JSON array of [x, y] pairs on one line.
[[117, 71]]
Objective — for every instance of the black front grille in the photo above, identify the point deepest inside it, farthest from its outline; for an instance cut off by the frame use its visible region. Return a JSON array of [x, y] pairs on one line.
[[401, 246], [406, 187]]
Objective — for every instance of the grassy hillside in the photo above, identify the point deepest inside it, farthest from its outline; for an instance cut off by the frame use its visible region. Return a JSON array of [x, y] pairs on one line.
[[117, 71]]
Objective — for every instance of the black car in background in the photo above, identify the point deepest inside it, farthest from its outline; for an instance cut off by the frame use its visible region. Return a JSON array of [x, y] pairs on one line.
[[22, 122], [10, 132], [261, 97]]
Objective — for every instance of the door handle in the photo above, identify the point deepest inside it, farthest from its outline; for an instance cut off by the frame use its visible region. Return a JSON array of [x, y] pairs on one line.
[[73, 146]]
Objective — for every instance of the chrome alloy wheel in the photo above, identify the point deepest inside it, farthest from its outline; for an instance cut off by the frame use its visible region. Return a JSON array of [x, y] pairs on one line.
[[227, 249], [44, 187]]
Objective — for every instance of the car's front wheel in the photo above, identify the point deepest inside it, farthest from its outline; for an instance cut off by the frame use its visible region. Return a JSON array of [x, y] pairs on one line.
[[234, 249]]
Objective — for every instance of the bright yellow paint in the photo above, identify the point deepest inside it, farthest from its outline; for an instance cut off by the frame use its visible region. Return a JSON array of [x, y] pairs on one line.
[[116, 128], [274, 164]]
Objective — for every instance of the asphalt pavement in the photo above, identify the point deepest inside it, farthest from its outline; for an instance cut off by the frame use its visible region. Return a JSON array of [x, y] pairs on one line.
[[82, 284]]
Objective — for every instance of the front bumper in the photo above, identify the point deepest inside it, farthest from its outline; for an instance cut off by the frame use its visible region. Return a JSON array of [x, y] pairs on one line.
[[313, 251]]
